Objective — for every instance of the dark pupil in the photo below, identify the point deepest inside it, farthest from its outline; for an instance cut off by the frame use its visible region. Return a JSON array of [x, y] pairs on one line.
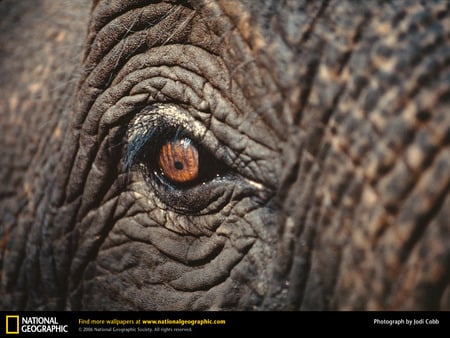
[[178, 165]]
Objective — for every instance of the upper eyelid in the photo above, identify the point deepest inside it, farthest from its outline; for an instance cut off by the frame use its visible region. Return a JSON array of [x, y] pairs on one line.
[[144, 136]]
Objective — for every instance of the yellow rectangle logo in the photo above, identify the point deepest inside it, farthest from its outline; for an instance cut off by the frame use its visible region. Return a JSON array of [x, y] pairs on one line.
[[12, 324]]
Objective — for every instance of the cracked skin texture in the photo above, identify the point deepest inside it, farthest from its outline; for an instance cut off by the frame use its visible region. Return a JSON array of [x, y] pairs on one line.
[[331, 119]]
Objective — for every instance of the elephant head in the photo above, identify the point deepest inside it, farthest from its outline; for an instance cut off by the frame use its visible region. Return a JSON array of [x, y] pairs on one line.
[[225, 154]]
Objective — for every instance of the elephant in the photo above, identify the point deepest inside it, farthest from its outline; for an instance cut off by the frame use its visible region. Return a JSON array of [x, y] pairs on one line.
[[224, 155]]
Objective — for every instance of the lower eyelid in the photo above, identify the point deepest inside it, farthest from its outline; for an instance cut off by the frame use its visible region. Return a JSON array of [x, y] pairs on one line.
[[197, 200]]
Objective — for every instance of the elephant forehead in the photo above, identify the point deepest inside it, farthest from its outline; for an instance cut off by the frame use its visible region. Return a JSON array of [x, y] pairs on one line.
[[185, 53]]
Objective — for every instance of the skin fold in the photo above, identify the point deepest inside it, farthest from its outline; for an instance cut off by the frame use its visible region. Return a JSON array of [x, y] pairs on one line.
[[223, 155]]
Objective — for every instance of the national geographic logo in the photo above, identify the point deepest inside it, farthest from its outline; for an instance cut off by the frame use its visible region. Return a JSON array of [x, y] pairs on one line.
[[12, 324], [16, 324]]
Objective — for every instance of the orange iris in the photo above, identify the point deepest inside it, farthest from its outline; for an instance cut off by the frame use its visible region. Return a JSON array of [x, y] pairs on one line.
[[178, 161]]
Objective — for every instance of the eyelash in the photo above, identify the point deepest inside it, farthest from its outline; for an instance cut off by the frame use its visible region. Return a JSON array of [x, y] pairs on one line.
[[148, 138]]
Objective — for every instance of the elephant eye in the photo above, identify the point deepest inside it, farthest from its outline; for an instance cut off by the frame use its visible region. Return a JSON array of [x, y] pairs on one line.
[[179, 161], [183, 166], [168, 152]]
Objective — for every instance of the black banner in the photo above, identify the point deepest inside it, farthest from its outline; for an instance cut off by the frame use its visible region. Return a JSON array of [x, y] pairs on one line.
[[212, 324]]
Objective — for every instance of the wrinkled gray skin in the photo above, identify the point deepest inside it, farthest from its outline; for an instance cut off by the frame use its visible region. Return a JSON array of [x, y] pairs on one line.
[[328, 123]]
